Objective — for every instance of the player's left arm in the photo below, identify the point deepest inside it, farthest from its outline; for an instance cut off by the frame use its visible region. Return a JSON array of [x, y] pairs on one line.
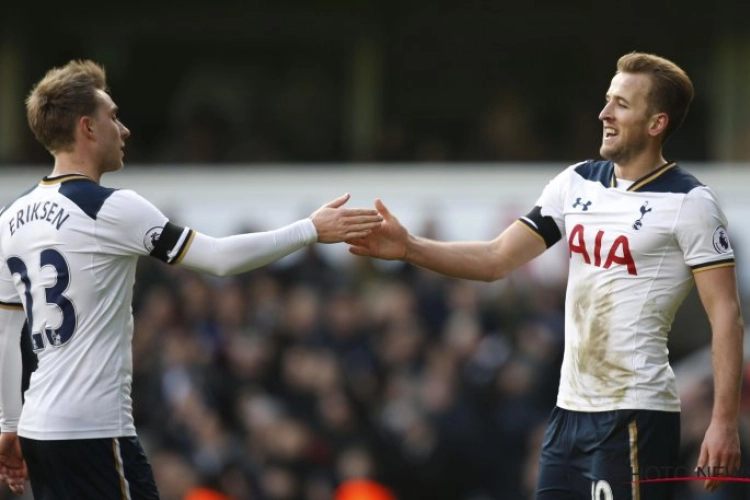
[[720, 451]]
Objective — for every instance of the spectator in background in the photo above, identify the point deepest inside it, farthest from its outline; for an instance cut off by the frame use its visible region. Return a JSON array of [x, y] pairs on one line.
[[205, 137], [506, 130]]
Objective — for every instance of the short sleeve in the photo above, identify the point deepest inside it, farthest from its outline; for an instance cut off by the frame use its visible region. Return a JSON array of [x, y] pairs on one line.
[[551, 201], [702, 231], [128, 224]]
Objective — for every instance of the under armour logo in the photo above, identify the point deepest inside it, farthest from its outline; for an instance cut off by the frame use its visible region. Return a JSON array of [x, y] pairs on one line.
[[639, 222], [584, 205]]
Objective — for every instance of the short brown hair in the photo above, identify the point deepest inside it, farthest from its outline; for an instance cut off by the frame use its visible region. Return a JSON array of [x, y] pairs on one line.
[[671, 89], [58, 100]]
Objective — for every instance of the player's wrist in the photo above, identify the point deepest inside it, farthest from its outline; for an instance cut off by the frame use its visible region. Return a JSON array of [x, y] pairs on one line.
[[411, 249], [727, 420]]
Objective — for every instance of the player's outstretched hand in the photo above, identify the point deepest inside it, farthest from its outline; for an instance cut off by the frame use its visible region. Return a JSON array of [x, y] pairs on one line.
[[12, 465], [335, 224], [388, 242], [720, 454]]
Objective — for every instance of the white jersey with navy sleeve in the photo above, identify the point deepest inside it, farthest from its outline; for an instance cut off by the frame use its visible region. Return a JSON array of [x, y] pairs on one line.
[[70, 249], [633, 253]]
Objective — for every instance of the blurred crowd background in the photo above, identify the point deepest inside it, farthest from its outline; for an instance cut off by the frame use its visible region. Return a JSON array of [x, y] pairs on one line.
[[283, 383], [286, 382]]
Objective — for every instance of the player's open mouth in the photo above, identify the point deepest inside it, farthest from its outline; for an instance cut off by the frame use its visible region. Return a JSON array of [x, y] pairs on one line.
[[609, 132]]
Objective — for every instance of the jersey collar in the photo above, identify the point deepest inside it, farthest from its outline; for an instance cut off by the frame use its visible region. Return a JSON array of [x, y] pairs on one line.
[[48, 181], [646, 179]]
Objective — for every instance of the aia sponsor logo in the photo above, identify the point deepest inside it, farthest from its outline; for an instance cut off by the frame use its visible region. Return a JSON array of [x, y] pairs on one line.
[[593, 251]]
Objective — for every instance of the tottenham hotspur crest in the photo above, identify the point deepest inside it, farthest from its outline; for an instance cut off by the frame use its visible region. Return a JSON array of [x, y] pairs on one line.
[[721, 240], [639, 222]]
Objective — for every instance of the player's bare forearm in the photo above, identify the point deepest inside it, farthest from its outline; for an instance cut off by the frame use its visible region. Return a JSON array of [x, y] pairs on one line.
[[476, 260], [727, 353], [718, 292], [720, 451], [467, 259]]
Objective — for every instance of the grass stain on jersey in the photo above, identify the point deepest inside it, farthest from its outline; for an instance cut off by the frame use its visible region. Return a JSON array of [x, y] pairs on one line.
[[592, 312]]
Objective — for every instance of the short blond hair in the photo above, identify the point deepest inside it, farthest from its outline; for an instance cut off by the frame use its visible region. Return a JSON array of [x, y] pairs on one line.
[[58, 100]]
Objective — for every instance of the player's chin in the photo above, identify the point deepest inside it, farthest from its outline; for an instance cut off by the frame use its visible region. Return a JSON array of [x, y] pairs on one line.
[[114, 166]]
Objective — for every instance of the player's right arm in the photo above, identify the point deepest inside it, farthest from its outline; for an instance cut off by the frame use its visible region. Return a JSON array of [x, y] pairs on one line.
[[12, 465], [243, 252], [475, 260], [129, 224]]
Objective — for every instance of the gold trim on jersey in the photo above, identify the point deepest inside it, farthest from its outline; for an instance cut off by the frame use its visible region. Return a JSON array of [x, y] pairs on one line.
[[635, 485], [646, 178], [530, 229], [184, 249], [718, 265], [11, 306], [50, 181]]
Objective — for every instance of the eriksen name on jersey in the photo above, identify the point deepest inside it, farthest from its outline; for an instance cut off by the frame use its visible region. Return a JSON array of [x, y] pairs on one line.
[[48, 211]]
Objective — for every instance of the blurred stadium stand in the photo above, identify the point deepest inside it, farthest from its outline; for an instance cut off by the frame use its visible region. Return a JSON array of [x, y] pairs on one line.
[[293, 81]]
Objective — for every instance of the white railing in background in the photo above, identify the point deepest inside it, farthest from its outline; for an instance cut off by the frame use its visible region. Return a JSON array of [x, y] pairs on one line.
[[465, 201]]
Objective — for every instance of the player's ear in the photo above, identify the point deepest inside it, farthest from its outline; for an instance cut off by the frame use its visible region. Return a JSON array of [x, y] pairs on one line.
[[658, 124], [85, 127]]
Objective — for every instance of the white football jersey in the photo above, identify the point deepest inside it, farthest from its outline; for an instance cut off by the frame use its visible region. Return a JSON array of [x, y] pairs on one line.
[[71, 247], [633, 252]]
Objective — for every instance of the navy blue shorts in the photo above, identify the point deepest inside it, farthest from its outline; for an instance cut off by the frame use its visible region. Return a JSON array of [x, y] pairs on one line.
[[89, 469], [603, 455]]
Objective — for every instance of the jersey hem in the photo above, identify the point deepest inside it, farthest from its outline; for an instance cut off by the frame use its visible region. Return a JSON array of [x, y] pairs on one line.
[[67, 435], [619, 406]]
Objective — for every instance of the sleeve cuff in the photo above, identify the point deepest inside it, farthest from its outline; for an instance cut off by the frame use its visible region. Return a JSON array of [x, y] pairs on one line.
[[308, 231]]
